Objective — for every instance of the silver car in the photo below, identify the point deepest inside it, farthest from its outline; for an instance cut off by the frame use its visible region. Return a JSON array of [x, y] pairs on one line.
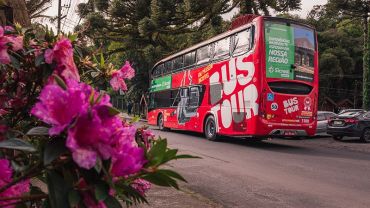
[[322, 121]]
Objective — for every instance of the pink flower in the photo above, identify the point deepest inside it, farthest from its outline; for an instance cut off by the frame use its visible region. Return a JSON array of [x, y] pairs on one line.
[[17, 42], [128, 159], [59, 107], [4, 56], [14, 191], [62, 54], [126, 72], [147, 135], [9, 28], [117, 82], [92, 136], [141, 186]]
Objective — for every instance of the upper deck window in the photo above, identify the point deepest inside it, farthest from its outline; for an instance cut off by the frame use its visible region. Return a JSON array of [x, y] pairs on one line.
[[178, 63], [242, 42], [158, 70], [189, 59], [222, 48], [168, 66], [204, 54]]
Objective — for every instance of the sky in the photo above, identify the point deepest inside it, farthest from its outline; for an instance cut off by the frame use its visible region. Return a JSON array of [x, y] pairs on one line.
[[72, 18]]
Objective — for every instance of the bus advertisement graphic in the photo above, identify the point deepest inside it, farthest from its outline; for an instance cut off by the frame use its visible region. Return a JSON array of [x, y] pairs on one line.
[[289, 52], [279, 51], [161, 83]]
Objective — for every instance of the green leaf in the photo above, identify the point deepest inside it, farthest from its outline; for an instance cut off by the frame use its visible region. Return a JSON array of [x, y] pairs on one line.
[[38, 131], [112, 202], [17, 144], [172, 174], [161, 179], [57, 189], [74, 198], [135, 119], [53, 149], [60, 82], [170, 154], [15, 62], [40, 59], [157, 152], [101, 191], [98, 166], [72, 37], [102, 62], [91, 97], [113, 111]]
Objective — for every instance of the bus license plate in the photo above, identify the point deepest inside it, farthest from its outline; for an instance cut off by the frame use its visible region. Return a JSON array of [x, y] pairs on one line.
[[290, 133]]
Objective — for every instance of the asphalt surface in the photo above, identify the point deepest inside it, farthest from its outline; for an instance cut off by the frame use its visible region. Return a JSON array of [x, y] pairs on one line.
[[317, 172]]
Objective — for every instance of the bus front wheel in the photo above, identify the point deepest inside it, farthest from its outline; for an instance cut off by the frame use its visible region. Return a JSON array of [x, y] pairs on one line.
[[210, 129]]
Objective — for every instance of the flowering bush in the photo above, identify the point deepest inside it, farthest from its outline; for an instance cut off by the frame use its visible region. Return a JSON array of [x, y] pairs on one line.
[[77, 145]]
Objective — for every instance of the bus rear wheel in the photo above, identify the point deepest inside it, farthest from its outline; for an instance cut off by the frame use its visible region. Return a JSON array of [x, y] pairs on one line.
[[160, 122], [210, 129]]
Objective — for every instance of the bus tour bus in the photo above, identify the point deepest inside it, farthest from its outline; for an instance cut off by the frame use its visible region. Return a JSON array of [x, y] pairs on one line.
[[259, 79]]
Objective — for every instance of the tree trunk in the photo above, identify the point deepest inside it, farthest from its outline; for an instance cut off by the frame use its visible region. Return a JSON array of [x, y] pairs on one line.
[[20, 13], [365, 66]]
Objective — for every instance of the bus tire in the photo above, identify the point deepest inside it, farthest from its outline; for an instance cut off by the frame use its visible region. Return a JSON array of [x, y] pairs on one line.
[[160, 122], [210, 129]]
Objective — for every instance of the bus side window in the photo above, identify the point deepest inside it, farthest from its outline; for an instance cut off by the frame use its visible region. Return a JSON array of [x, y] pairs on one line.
[[168, 66], [163, 99], [241, 42], [175, 97], [189, 59], [158, 70], [178, 63], [204, 54], [222, 48]]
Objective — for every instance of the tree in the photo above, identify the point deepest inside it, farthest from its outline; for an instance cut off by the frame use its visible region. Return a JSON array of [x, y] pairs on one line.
[[256, 6], [36, 8], [145, 31], [19, 10], [357, 9], [340, 53]]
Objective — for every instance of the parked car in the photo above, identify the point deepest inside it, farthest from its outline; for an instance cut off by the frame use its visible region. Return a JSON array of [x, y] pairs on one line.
[[322, 121], [352, 110], [352, 124]]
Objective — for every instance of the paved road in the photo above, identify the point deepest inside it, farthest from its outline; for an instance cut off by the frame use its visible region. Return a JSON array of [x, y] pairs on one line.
[[276, 173]]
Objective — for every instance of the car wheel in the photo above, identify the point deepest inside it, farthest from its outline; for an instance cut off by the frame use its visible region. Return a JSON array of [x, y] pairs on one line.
[[366, 136], [210, 129], [338, 138]]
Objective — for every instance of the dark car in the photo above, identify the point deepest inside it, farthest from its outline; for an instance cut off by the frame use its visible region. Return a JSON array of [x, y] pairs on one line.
[[352, 124]]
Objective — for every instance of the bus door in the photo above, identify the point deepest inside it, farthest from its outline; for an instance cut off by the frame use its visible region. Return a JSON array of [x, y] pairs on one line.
[[189, 102]]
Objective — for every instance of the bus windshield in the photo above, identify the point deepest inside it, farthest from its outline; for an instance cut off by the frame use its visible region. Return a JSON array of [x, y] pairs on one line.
[[289, 51]]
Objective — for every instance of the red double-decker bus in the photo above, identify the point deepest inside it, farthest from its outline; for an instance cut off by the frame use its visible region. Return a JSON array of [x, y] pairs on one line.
[[259, 79]]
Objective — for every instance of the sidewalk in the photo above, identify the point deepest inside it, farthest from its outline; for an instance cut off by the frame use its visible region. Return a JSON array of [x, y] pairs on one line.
[[164, 197]]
